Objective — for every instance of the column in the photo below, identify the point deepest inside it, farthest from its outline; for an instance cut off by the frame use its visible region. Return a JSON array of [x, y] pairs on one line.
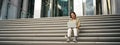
[[4, 9], [113, 6], [37, 8], [104, 7], [51, 8], [1, 2], [109, 6], [13, 10], [24, 9], [94, 5], [117, 7], [69, 7], [78, 7]]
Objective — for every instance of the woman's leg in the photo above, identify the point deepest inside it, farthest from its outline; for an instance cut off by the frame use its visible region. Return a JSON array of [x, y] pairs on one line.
[[69, 34], [75, 31], [75, 34]]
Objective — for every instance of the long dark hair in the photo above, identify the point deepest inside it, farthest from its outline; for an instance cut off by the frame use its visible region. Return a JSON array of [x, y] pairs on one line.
[[73, 13]]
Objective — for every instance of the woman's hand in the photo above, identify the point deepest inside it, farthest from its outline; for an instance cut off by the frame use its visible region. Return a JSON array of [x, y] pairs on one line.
[[78, 27]]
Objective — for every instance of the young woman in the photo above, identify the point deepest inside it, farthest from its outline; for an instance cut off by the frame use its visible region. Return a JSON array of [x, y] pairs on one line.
[[75, 30]]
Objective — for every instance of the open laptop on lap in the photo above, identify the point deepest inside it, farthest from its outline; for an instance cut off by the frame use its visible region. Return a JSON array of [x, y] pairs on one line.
[[71, 24]]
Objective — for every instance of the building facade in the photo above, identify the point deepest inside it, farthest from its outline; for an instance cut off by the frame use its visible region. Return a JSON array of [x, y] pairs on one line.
[[17, 9]]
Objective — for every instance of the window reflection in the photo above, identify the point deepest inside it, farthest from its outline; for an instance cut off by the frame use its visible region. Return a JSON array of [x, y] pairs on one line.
[[54, 9], [89, 8], [45, 8], [62, 7]]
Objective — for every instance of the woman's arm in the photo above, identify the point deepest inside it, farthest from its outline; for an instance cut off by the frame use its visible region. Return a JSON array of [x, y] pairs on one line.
[[78, 24]]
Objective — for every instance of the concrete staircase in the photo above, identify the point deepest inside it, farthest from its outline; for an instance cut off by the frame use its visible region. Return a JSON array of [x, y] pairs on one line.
[[95, 30]]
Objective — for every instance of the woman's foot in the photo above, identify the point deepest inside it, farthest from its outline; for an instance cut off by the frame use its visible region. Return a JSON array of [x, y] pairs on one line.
[[75, 39], [68, 39]]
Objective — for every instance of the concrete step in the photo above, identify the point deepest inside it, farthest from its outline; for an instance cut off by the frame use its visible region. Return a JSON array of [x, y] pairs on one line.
[[62, 21], [53, 26], [55, 43], [92, 24], [52, 19], [83, 39], [79, 17], [47, 28], [25, 20], [62, 35], [57, 31], [50, 23], [15, 29]]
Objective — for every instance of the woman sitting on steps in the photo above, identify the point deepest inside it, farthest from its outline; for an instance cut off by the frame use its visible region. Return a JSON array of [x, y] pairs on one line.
[[75, 28]]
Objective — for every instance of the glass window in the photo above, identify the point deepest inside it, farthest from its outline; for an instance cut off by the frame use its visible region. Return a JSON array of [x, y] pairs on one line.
[[98, 7], [89, 7], [56, 8], [30, 9], [26, 9], [45, 8], [1, 6], [62, 8]]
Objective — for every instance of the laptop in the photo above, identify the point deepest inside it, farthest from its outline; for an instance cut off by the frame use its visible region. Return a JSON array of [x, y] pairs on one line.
[[71, 24]]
